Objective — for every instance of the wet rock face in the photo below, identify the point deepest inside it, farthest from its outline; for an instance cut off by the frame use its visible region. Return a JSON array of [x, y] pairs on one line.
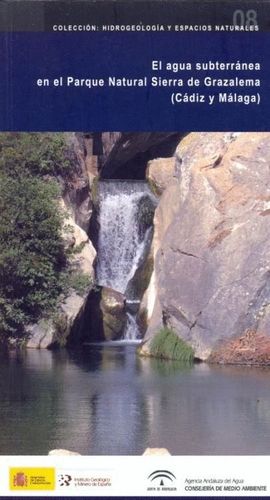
[[145, 214], [212, 244]]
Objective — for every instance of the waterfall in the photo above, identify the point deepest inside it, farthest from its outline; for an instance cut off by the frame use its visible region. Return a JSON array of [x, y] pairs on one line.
[[132, 330], [125, 228], [121, 241]]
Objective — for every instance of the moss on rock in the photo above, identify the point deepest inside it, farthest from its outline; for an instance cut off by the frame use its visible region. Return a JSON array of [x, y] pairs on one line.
[[167, 345]]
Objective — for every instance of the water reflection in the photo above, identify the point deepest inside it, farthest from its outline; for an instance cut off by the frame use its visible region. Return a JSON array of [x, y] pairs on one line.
[[105, 400], [162, 368]]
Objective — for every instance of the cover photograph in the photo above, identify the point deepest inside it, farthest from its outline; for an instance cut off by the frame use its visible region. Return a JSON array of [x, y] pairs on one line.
[[134, 248]]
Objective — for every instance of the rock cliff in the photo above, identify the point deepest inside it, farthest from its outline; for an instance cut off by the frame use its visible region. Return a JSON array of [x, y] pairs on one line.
[[76, 206], [211, 279]]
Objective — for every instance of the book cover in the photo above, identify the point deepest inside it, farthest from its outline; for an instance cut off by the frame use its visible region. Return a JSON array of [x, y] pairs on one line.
[[134, 248]]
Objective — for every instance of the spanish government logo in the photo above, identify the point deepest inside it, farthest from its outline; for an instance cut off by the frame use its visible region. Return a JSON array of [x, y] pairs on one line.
[[31, 478]]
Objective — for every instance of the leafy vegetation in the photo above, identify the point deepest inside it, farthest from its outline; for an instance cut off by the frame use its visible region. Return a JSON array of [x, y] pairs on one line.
[[78, 281], [34, 267], [35, 153], [167, 345], [31, 250]]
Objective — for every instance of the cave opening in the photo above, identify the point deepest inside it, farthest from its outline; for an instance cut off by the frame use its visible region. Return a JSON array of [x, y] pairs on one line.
[[129, 158]]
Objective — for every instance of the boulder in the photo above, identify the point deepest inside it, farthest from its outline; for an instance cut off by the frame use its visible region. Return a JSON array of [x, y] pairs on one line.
[[160, 173], [54, 331], [88, 325], [211, 279], [76, 239], [66, 316], [112, 306], [40, 335], [102, 317]]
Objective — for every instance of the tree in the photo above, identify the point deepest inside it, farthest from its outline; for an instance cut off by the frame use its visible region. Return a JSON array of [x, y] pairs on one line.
[[32, 254]]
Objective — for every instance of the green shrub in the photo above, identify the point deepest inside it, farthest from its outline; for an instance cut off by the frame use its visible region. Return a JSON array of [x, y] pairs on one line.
[[35, 153], [167, 345], [78, 281]]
